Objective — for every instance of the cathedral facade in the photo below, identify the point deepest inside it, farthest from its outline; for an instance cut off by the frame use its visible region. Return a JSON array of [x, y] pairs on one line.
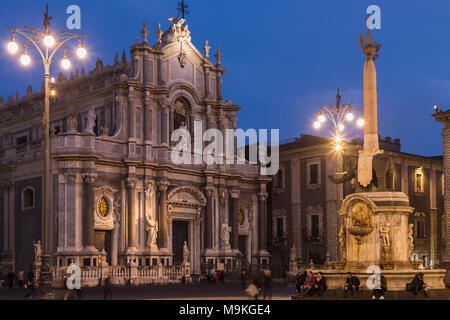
[[115, 193]]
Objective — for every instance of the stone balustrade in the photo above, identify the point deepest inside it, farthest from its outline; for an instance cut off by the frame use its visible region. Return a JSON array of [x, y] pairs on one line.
[[123, 276]]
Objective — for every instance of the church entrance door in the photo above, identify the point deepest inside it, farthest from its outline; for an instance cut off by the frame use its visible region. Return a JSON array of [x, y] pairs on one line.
[[179, 236], [103, 241]]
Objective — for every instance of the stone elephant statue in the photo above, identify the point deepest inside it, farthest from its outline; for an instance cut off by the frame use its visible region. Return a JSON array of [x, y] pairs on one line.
[[382, 175]]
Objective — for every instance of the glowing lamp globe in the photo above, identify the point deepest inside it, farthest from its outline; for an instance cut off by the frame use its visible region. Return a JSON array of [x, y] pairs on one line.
[[341, 127], [360, 122], [13, 47], [49, 41], [349, 116], [316, 124], [82, 52], [321, 118], [65, 63], [25, 59]]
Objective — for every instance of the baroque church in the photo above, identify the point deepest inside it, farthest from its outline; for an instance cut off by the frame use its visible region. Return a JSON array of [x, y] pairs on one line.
[[116, 194]]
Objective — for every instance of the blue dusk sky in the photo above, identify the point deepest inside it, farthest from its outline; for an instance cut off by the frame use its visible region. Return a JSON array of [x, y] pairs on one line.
[[283, 58]]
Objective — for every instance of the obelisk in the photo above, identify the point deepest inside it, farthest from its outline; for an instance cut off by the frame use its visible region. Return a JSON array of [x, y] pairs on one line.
[[371, 145]]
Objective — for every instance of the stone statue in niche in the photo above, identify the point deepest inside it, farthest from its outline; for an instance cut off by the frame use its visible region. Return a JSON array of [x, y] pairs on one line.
[[225, 235], [72, 123], [185, 252], [293, 254], [37, 252], [411, 237], [152, 229], [384, 233], [90, 121]]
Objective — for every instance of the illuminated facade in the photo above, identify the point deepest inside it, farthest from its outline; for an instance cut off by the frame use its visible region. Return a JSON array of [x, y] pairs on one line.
[[115, 191]]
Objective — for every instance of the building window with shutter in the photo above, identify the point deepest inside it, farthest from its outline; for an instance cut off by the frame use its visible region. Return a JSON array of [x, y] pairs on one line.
[[419, 180]]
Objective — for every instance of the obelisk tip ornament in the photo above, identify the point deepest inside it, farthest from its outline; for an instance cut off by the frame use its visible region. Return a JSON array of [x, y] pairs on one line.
[[371, 145]]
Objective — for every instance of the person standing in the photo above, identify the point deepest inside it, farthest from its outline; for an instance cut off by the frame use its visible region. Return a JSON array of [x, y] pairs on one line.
[[107, 289], [10, 277], [21, 278], [244, 279], [267, 284]]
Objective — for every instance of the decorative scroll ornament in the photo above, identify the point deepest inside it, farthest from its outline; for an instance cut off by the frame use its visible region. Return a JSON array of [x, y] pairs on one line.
[[360, 221]]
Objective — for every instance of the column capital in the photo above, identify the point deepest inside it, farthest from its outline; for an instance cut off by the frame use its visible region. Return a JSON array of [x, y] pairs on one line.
[[262, 196], [89, 177], [234, 193], [71, 177], [149, 102], [131, 182], [163, 185], [210, 191]]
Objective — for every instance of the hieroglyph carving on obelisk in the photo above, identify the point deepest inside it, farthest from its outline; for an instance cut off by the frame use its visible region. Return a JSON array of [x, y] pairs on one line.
[[371, 146]]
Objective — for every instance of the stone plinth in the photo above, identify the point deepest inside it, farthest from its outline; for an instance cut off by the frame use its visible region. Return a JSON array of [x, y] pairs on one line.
[[375, 231]]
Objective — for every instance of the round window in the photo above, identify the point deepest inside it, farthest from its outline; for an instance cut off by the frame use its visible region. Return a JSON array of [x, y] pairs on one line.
[[103, 207]]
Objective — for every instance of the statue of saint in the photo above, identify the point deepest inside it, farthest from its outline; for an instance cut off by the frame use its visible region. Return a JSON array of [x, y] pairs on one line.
[[293, 254], [72, 123], [384, 233], [225, 235], [152, 229], [37, 252], [185, 252], [90, 120]]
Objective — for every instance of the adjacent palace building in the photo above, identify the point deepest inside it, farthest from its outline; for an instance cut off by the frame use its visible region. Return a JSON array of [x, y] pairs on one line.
[[115, 191]]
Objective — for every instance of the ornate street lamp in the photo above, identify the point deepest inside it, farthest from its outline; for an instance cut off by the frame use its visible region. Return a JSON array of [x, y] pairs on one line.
[[338, 115], [47, 42]]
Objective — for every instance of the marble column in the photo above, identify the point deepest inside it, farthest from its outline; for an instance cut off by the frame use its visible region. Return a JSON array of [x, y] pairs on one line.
[[89, 239], [209, 218], [233, 218], [163, 243], [262, 221], [131, 195]]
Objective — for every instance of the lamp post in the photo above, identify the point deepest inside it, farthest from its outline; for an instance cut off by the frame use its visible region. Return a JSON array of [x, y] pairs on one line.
[[47, 43], [338, 115]]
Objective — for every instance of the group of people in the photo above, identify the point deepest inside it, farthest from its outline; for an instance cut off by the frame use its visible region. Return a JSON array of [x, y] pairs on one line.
[[214, 277], [24, 281], [308, 284]]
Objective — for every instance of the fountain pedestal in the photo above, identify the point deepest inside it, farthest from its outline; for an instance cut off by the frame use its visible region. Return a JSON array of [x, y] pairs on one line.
[[375, 232]]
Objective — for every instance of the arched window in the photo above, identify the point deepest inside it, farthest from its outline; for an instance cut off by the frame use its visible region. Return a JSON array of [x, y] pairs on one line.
[[28, 198]]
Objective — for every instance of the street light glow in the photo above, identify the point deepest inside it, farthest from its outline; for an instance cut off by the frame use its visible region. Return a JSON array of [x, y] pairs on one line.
[[65, 63], [341, 127], [349, 116], [317, 124], [81, 52], [49, 40], [360, 122], [321, 118], [338, 147], [25, 59], [53, 92], [12, 46]]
